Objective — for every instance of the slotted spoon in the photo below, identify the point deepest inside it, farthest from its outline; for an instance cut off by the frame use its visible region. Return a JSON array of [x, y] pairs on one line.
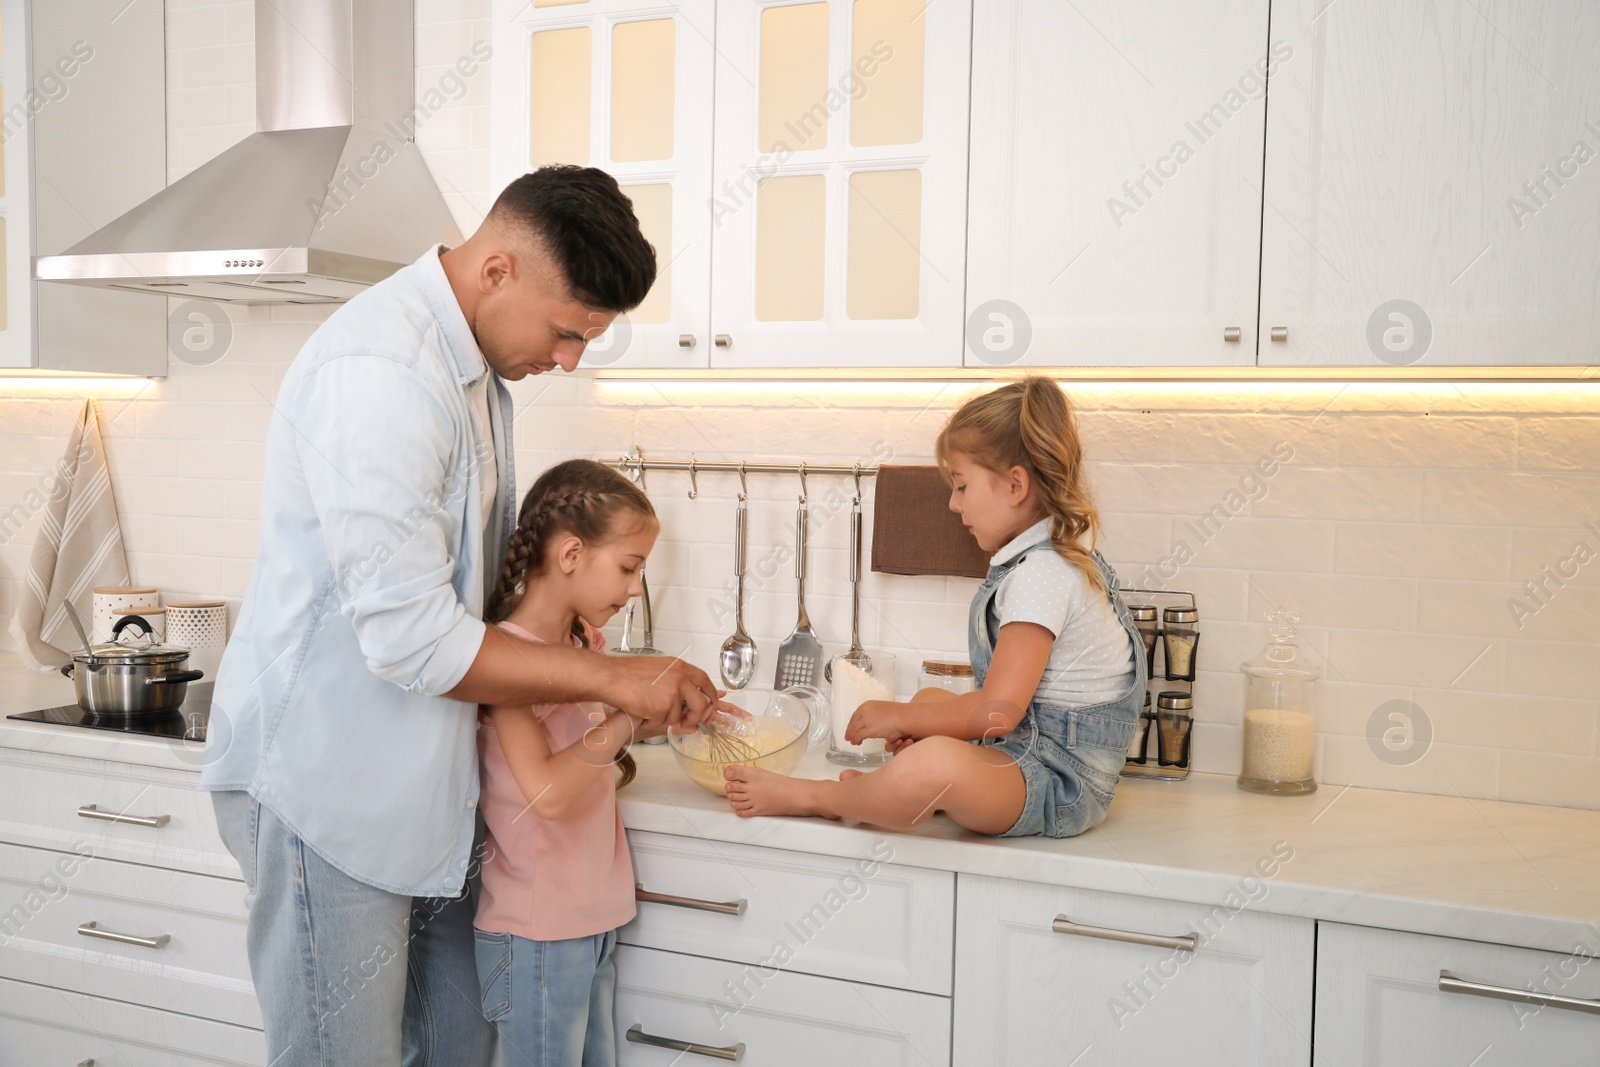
[[800, 655]]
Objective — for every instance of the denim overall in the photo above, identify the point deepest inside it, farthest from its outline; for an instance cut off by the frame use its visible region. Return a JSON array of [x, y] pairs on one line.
[[1069, 758]]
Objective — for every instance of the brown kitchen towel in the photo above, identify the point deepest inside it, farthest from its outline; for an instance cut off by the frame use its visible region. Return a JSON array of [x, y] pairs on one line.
[[915, 532], [79, 546]]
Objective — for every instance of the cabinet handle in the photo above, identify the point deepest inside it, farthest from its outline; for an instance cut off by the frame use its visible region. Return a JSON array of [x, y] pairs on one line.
[[723, 340], [1280, 334], [637, 1035], [155, 822], [1182, 942], [731, 907], [93, 930], [1449, 983], [686, 340], [1231, 334]]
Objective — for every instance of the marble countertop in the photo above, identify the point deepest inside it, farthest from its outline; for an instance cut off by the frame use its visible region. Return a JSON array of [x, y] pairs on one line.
[[1518, 874]]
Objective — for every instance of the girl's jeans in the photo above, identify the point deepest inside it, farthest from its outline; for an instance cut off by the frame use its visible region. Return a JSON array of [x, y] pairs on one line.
[[552, 1002]]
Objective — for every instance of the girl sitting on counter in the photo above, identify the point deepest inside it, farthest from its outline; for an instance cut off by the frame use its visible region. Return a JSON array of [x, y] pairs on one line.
[[1059, 664]]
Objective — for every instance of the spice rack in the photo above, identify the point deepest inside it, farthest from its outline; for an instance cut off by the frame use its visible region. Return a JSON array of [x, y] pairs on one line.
[[1165, 681]]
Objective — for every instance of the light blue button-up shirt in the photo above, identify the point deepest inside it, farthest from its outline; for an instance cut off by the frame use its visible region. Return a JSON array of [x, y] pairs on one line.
[[367, 595]]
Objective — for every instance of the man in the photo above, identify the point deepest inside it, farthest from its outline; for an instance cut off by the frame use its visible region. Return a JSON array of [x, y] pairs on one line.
[[342, 752]]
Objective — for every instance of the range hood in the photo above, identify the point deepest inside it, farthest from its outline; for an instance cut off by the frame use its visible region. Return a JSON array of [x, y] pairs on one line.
[[328, 196]]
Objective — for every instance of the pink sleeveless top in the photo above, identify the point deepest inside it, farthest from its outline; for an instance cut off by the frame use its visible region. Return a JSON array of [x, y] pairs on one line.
[[551, 879]]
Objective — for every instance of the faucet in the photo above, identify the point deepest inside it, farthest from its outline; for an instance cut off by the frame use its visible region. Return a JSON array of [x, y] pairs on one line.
[[625, 646]]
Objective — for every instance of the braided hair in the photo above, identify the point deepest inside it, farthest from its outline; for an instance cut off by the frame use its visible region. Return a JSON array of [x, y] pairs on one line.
[[581, 498]]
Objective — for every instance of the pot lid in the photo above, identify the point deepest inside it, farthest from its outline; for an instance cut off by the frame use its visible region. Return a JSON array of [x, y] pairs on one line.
[[146, 650]]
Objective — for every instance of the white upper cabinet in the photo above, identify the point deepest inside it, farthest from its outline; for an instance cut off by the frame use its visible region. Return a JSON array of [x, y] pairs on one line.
[[84, 106], [841, 165], [623, 85], [1431, 180], [1114, 212]]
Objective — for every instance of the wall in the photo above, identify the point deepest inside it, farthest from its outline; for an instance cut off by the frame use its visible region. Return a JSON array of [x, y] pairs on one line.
[[1403, 527]]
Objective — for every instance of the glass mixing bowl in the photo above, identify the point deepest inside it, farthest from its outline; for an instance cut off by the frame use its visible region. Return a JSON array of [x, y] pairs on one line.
[[777, 728]]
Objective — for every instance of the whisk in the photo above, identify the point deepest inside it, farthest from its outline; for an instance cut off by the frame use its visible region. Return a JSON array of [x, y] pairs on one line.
[[724, 747]]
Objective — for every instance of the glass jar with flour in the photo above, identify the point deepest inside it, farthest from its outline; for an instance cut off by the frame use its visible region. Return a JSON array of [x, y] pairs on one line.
[[1280, 734], [857, 678]]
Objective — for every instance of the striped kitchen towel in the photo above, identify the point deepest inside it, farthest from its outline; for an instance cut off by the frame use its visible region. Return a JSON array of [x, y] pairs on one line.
[[79, 546]]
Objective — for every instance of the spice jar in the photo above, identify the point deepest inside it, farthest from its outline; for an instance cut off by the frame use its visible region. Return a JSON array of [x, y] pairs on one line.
[[1181, 636], [949, 675], [1144, 617], [1174, 724], [1280, 735], [1141, 730]]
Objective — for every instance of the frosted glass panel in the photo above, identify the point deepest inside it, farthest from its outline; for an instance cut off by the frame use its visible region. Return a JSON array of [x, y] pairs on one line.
[[887, 51], [653, 205], [641, 89], [4, 286], [884, 262], [790, 217], [794, 78], [559, 97]]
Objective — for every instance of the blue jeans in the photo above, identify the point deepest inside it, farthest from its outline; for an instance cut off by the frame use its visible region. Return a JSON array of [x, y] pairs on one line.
[[552, 1002], [349, 975]]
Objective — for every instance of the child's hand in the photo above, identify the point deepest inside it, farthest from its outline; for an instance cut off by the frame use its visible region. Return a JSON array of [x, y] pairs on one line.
[[875, 718]]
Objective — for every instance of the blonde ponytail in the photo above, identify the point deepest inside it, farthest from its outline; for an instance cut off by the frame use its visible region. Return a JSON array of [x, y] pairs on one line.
[[1030, 424]]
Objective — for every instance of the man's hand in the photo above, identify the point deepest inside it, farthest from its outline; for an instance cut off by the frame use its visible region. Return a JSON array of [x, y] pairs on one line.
[[662, 691]]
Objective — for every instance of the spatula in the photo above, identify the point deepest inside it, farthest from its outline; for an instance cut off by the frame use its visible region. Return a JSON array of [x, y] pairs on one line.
[[800, 655]]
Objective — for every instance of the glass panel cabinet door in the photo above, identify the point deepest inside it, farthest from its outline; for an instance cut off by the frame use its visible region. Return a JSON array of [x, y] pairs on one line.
[[623, 85], [837, 212], [1114, 208], [1431, 181]]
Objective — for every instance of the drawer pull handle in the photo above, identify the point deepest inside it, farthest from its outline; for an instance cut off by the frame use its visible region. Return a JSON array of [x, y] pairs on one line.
[[1182, 942], [637, 1035], [730, 907], [1449, 983], [93, 930], [155, 822]]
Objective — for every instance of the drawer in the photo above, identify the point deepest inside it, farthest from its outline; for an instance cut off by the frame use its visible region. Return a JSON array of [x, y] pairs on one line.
[[42, 1027], [866, 920], [1382, 1001], [1054, 975], [165, 823], [196, 963], [781, 1018]]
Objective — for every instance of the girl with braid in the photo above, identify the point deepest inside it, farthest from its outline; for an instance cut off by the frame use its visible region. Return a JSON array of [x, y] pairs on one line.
[[1059, 664], [557, 877]]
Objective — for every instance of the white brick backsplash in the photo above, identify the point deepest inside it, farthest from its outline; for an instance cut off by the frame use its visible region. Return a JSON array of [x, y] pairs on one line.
[[1422, 551], [1558, 444], [1427, 441], [1398, 535]]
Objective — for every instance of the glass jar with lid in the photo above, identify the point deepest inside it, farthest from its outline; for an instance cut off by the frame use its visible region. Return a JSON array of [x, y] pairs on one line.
[[1180, 632], [1280, 734], [953, 676]]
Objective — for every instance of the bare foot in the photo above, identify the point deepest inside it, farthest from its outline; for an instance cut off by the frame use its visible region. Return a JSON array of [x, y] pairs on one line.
[[753, 791]]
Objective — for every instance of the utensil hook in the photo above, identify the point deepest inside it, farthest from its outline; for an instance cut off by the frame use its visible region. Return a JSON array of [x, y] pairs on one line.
[[802, 481], [694, 481], [743, 489], [855, 472], [633, 466]]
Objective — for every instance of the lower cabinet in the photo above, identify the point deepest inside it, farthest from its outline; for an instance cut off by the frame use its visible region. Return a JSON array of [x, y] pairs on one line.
[[1067, 976], [679, 1009], [45, 1027], [1391, 999]]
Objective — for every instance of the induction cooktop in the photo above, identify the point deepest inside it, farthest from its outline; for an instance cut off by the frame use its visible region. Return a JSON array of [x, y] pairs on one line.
[[186, 723]]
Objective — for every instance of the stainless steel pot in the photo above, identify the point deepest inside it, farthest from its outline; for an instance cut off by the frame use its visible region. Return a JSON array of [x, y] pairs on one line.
[[117, 681]]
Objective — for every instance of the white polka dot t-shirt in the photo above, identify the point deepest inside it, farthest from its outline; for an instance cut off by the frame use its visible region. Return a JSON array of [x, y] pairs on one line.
[[1091, 661]]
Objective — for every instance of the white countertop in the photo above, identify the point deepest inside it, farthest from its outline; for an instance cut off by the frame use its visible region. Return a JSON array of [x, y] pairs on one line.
[[1519, 874]]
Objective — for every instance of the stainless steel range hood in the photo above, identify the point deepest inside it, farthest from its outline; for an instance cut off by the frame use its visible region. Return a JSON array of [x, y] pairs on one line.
[[328, 197]]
